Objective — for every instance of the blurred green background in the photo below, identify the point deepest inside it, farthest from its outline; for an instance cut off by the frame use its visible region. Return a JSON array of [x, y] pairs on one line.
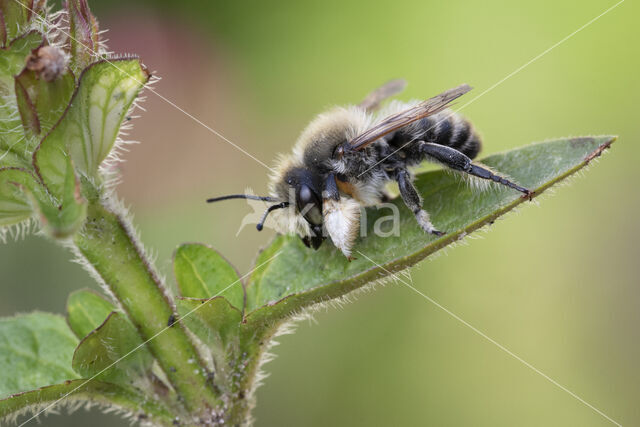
[[557, 285]]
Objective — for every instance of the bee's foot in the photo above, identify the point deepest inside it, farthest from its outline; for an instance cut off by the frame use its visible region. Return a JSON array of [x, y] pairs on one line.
[[423, 220], [351, 258], [527, 194]]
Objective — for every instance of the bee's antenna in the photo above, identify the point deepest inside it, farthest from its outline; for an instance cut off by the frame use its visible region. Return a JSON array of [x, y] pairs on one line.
[[268, 211], [242, 196]]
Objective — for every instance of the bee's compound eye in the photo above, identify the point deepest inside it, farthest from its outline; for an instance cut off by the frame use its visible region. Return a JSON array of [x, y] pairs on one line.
[[309, 205]]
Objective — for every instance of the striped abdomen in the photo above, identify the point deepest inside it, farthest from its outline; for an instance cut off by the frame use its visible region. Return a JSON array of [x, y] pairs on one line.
[[445, 128]]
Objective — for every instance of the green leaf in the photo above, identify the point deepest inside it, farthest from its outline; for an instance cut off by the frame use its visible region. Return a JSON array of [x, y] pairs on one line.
[[202, 272], [113, 341], [15, 148], [14, 57], [27, 110], [35, 350], [104, 394], [90, 126], [61, 219], [16, 15], [20, 193], [73, 209], [86, 310], [215, 321], [300, 277], [45, 100], [15, 206]]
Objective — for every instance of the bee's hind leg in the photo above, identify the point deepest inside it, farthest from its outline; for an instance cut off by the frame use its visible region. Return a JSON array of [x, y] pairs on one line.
[[458, 161], [413, 201]]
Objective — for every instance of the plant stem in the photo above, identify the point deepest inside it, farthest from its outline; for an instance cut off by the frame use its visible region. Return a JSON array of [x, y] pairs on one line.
[[109, 246], [254, 340]]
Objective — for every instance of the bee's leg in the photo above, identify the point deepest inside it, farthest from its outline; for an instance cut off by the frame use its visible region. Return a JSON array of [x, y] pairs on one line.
[[314, 241], [458, 161], [341, 216], [413, 201], [385, 197]]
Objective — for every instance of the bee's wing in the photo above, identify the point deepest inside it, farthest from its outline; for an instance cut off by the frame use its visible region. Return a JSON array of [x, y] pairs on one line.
[[387, 90], [403, 118]]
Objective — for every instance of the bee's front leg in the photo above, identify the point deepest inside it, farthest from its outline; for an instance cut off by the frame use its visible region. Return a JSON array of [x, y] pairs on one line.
[[341, 216]]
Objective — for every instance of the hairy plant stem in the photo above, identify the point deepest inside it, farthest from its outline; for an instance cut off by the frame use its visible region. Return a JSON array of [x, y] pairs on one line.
[[110, 247], [254, 340]]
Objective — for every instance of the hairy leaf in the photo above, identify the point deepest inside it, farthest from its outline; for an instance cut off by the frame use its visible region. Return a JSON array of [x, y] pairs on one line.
[[299, 277], [214, 321], [35, 350], [73, 391], [113, 341], [45, 100], [202, 272], [86, 310], [15, 206], [16, 14], [20, 194], [62, 218], [90, 126], [15, 149], [14, 56]]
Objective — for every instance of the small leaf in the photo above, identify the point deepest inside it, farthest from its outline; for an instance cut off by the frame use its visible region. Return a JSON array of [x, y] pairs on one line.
[[111, 342], [14, 56], [48, 99], [64, 219], [20, 194], [90, 126], [15, 148], [300, 277], [84, 38], [16, 14], [27, 110], [104, 394], [15, 206], [73, 209], [35, 350], [215, 321], [202, 272], [86, 310]]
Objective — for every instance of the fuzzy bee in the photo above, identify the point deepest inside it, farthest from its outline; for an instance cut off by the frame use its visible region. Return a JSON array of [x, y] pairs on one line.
[[346, 156]]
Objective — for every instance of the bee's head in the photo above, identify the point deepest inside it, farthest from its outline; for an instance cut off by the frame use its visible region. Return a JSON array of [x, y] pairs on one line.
[[299, 191], [303, 191]]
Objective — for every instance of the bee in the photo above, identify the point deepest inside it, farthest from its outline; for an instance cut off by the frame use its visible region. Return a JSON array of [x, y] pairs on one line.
[[345, 157]]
